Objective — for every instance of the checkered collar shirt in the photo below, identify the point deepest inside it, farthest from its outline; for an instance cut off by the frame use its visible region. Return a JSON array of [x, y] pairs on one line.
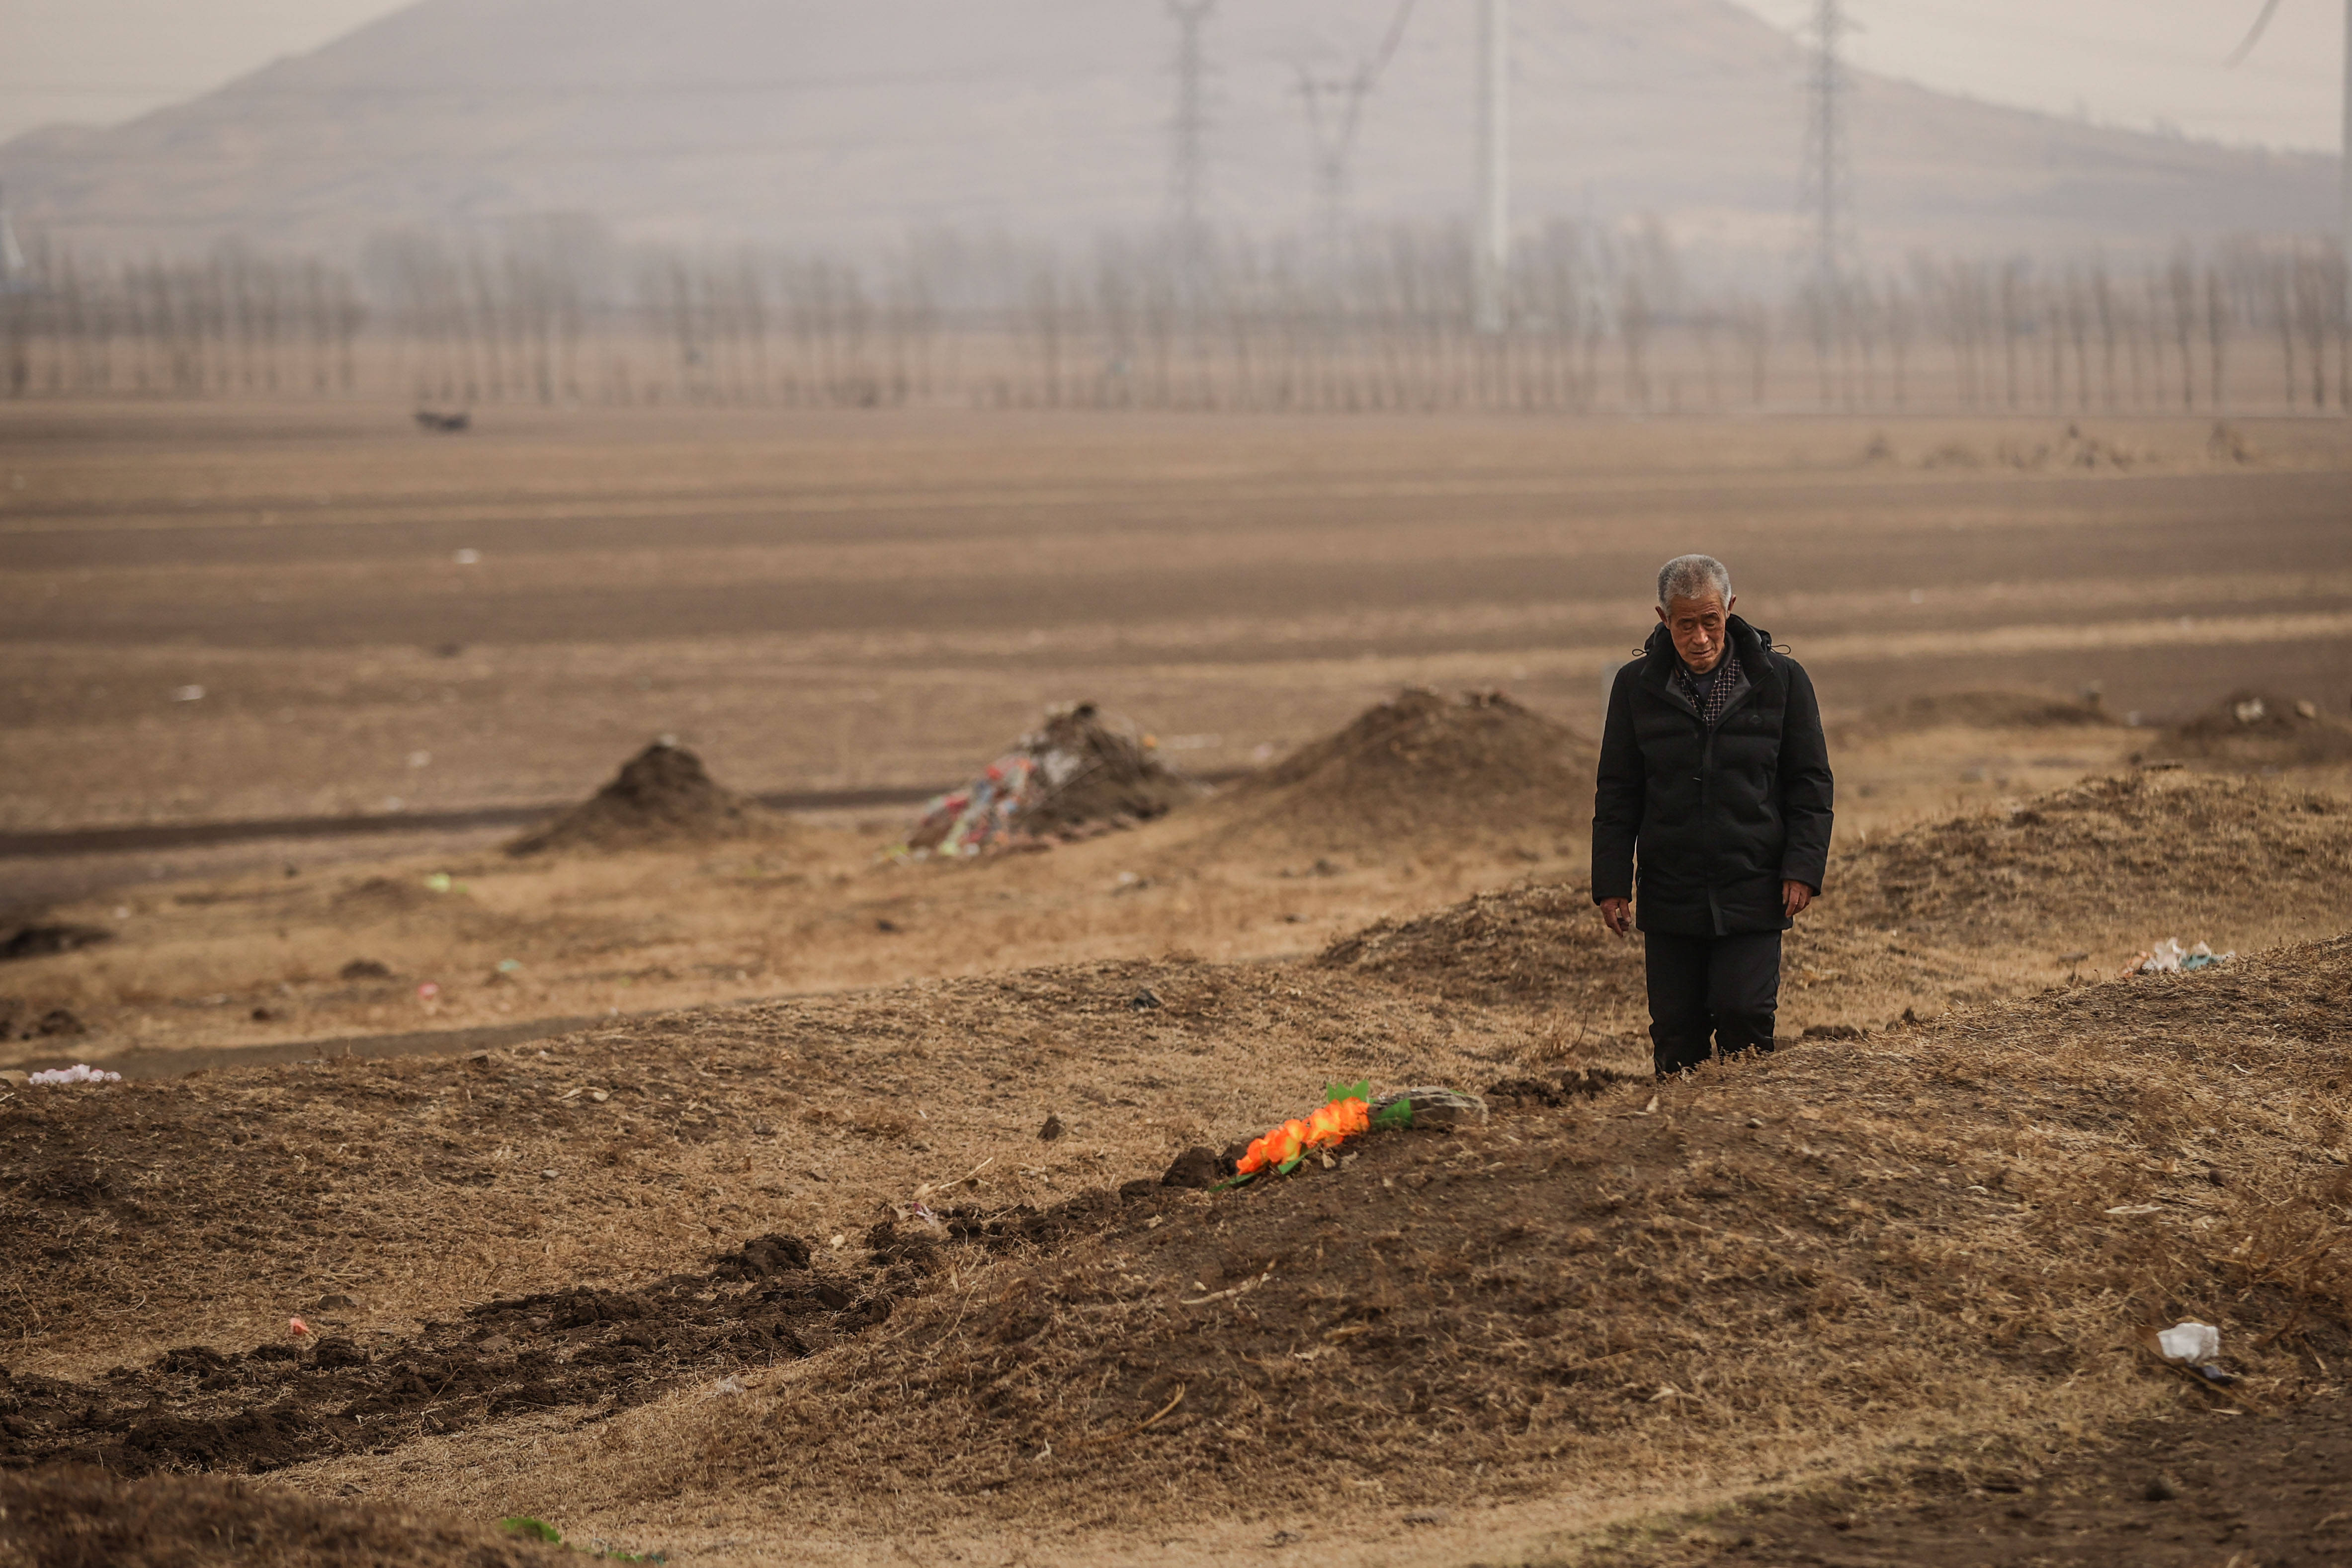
[[1730, 679]]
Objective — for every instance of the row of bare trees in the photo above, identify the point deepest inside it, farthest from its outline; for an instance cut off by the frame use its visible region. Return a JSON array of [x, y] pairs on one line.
[[235, 322], [2192, 333], [1602, 319]]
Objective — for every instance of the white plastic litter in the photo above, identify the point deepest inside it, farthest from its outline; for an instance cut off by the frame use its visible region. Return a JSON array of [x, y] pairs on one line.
[[80, 1072], [2169, 958], [2191, 1341]]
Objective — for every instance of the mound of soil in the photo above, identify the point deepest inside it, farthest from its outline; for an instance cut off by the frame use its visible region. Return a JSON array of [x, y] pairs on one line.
[[1826, 1241], [76, 1517], [1528, 947], [1421, 773], [1076, 776], [661, 796], [2214, 856], [1979, 710], [2257, 729]]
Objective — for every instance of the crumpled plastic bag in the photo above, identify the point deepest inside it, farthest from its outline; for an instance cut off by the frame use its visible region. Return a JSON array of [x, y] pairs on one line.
[[2193, 1347], [2191, 1340]]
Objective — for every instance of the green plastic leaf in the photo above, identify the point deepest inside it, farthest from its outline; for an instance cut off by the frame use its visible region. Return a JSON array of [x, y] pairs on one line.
[[1396, 1115], [1289, 1166], [1241, 1178], [531, 1529], [1335, 1092]]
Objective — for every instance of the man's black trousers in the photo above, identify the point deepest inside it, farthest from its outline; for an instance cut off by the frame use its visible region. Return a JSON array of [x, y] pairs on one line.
[[1726, 987]]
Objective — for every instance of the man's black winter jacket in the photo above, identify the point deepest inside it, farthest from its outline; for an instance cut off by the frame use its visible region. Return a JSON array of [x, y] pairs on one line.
[[1720, 817]]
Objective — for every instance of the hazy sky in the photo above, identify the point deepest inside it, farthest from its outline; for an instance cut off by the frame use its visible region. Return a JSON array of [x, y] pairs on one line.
[[2136, 63]]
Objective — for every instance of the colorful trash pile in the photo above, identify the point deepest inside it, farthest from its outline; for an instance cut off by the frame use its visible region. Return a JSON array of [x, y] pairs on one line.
[[1077, 776]]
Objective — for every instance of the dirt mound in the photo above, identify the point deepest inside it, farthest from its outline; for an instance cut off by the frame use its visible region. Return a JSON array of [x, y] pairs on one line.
[[73, 1517], [1979, 710], [1797, 1244], [661, 796], [2257, 729], [1078, 775], [1532, 945], [1421, 772], [2214, 857]]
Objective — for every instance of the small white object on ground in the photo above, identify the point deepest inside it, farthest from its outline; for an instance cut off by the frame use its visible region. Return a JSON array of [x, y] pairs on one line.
[[2169, 958], [188, 693], [2191, 1340], [731, 1385], [80, 1072], [468, 557]]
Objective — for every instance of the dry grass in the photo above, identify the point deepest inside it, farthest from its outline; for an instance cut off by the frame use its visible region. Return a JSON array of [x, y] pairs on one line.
[[1816, 1258], [1850, 1246]]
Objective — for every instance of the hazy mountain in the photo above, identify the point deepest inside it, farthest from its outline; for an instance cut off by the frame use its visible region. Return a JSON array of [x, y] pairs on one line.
[[846, 123]]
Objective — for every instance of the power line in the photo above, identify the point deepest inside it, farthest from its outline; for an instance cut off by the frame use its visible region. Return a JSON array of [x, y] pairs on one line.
[[2344, 215], [1335, 143]]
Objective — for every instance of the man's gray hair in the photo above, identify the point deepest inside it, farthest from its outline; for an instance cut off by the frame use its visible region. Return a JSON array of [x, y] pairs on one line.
[[1690, 576]]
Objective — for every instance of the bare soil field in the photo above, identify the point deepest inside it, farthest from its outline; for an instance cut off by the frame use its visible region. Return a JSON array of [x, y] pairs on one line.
[[725, 1184], [376, 615]]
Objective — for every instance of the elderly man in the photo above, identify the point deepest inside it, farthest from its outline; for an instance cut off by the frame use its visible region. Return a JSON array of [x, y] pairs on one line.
[[1714, 773]]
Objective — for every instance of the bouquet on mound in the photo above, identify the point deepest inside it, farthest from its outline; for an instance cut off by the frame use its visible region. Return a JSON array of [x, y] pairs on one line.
[[1348, 1111]]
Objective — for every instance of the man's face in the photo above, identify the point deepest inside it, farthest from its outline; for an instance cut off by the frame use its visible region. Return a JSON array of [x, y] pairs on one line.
[[1697, 627]]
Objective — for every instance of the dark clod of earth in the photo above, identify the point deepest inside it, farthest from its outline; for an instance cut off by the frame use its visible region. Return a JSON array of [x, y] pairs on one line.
[[18, 1021], [280, 1405], [1197, 1169], [43, 941]]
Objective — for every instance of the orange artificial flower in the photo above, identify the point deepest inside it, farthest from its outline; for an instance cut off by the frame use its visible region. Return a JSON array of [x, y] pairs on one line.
[[1327, 1128]]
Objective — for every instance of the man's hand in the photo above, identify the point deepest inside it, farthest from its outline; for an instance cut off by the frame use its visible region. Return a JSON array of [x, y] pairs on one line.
[[1794, 897], [1617, 914]]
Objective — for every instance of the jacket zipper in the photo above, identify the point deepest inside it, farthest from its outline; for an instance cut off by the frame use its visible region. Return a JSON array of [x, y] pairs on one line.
[[1707, 785]]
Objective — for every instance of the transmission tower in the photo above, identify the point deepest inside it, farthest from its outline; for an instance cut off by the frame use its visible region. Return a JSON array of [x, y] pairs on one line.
[[1827, 186], [1188, 177], [1493, 240], [12, 255]]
